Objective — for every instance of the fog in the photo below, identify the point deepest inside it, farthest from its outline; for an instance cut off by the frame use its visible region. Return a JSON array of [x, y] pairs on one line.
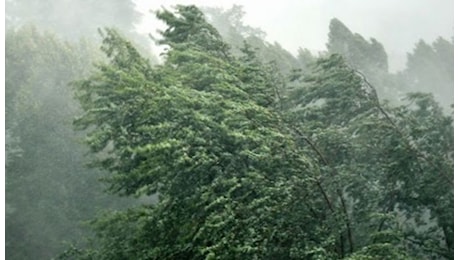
[[319, 129], [296, 23]]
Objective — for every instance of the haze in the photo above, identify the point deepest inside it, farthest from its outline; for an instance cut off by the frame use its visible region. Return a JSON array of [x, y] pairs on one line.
[[398, 25], [241, 137]]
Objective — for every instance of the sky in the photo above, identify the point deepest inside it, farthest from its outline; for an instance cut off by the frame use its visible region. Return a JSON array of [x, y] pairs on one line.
[[397, 24]]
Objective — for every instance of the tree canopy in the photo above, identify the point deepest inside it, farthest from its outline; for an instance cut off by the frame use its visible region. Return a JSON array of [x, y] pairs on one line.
[[232, 148], [430, 69], [49, 191], [323, 171]]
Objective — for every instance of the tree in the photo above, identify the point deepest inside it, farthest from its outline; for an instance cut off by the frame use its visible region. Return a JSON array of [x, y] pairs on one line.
[[356, 50], [369, 57], [430, 69], [230, 25], [386, 163], [74, 20], [49, 191], [66, 17], [328, 172], [201, 132]]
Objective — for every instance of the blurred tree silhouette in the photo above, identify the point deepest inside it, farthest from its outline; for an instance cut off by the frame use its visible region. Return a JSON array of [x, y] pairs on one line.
[[49, 191], [430, 69]]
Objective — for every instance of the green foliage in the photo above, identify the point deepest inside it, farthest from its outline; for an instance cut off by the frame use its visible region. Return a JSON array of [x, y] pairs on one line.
[[363, 55], [388, 160], [49, 192], [230, 25], [368, 57], [201, 132], [323, 171], [429, 68]]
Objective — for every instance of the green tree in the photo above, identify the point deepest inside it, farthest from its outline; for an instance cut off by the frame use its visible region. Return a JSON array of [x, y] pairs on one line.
[[49, 191], [368, 57], [328, 172], [202, 132], [358, 52], [230, 25], [430, 69], [387, 162]]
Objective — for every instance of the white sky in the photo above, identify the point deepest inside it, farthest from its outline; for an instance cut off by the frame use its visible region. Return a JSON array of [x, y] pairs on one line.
[[398, 24]]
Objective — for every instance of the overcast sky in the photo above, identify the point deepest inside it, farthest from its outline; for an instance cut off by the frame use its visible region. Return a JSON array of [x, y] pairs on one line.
[[398, 24]]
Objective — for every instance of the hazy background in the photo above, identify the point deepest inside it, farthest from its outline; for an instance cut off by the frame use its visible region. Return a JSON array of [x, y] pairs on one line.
[[51, 194], [398, 25]]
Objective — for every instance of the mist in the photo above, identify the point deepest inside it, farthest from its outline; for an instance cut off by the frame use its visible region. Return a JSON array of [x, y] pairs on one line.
[[304, 24], [232, 130]]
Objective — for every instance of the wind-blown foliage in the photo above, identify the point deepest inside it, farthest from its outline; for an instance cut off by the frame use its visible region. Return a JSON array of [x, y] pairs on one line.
[[430, 69], [230, 25], [49, 191], [201, 132], [327, 172], [383, 158], [357, 51]]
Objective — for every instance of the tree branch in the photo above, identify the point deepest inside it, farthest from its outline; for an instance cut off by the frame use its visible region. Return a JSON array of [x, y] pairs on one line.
[[409, 145], [339, 192]]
